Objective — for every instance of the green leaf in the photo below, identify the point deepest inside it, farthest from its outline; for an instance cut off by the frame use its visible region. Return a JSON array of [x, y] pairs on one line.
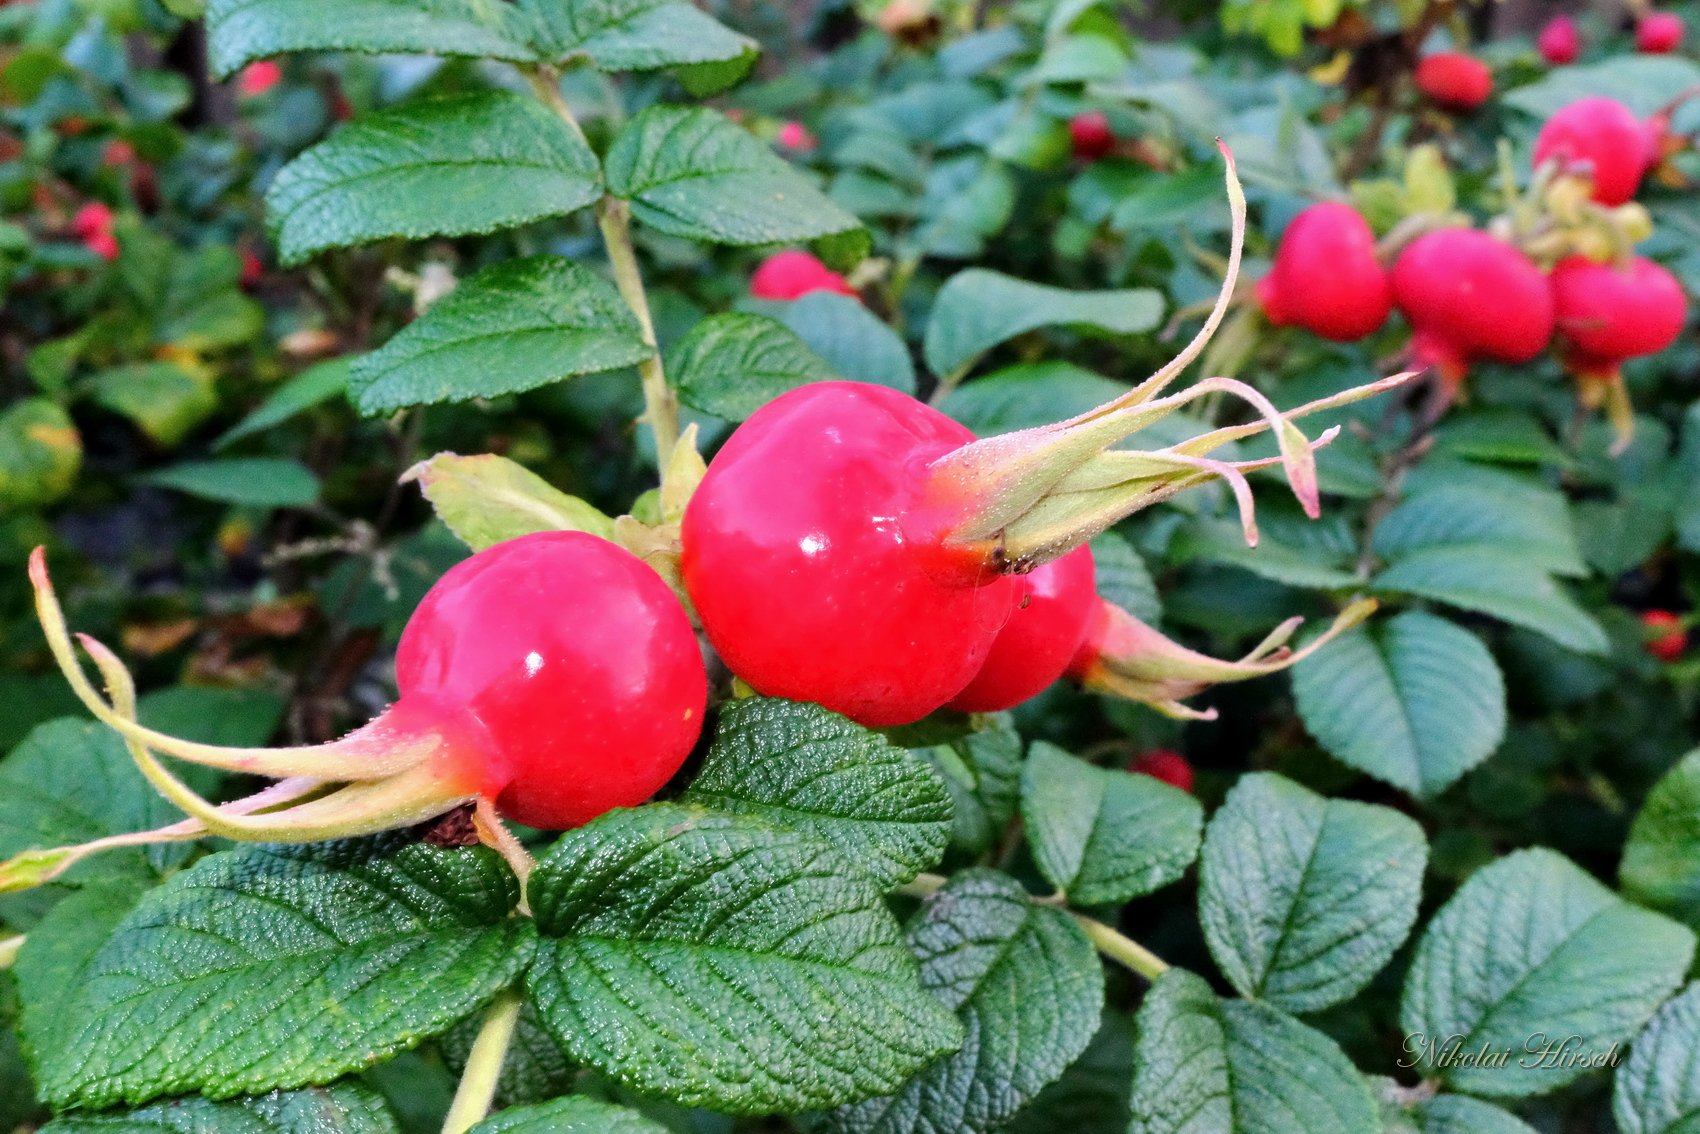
[[1028, 395], [41, 453], [1658, 1089], [213, 714], [851, 339], [731, 365], [222, 979], [1497, 582], [254, 482], [811, 770], [1644, 83], [1527, 521], [694, 173], [977, 309], [488, 498], [1443, 1114], [1304, 899], [1661, 861], [638, 35], [1103, 835], [569, 1116], [165, 400], [678, 942], [55, 957], [311, 387], [1532, 945], [1027, 985], [515, 326], [1237, 1067], [453, 166], [982, 772], [1091, 1097], [346, 1108], [1506, 436], [1414, 701], [202, 308], [72, 781], [1123, 578], [241, 31]]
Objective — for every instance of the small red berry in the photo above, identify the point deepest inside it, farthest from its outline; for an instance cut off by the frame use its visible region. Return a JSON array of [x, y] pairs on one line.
[[1468, 295], [1598, 138], [1669, 641], [1658, 33], [1607, 314], [794, 273], [818, 567], [102, 244], [118, 153], [568, 668], [1041, 638], [92, 219], [1326, 277], [257, 78], [796, 136], [1559, 42], [1090, 135], [253, 269], [1454, 81], [1162, 764]]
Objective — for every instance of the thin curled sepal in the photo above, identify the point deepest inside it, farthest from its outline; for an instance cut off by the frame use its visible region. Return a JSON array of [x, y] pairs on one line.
[[1128, 659], [1021, 495]]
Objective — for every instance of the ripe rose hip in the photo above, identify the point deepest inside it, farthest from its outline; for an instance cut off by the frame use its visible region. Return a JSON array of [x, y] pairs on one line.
[[1669, 640], [1599, 138], [819, 570], [257, 78], [92, 218], [1326, 277], [1090, 136], [1559, 42], [555, 674], [1454, 81], [1468, 296], [794, 273], [1041, 638], [1607, 314], [796, 136], [1658, 33], [1162, 764]]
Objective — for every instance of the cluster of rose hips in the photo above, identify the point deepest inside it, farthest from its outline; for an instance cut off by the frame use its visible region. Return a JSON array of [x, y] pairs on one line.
[[1656, 33], [1470, 295], [92, 225]]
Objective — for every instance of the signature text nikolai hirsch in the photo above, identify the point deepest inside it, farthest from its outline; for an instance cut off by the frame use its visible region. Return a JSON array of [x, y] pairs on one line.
[[1540, 1052]]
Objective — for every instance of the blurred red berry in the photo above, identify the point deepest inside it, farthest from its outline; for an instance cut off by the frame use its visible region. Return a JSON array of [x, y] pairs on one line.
[[118, 152], [1454, 81], [1559, 42], [796, 136], [102, 244], [91, 220], [1670, 640], [794, 273], [1598, 138], [253, 270], [1162, 764], [258, 78], [1658, 33], [1090, 135]]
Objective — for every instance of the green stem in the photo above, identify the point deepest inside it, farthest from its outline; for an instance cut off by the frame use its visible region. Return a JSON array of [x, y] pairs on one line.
[[661, 408], [477, 1089], [1112, 943], [9, 951], [614, 218]]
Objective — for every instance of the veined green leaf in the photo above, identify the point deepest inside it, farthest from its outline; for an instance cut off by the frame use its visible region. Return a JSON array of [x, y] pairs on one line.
[[254, 482], [1658, 1089], [733, 364], [977, 309], [1661, 862], [345, 1108], [241, 31], [487, 499], [639, 35], [1501, 583]]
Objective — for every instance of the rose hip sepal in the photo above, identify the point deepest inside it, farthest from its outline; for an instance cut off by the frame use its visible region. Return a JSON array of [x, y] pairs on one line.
[[1035, 646], [554, 676], [1123, 657], [1326, 277]]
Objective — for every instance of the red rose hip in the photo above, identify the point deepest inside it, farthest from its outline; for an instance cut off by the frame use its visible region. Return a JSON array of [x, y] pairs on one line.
[[1090, 136], [1658, 33], [1559, 42], [1668, 640], [794, 273], [1326, 277], [1597, 138], [1162, 764], [1034, 648], [1454, 81], [1468, 296], [1607, 314]]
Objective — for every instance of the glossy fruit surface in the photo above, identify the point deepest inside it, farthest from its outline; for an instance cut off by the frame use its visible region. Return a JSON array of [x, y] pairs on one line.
[[1599, 138], [1090, 135], [1658, 33], [815, 570], [1161, 764], [794, 273], [1041, 638], [1468, 295], [1559, 42], [1454, 81], [1607, 314], [567, 670], [1669, 641], [1326, 277]]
